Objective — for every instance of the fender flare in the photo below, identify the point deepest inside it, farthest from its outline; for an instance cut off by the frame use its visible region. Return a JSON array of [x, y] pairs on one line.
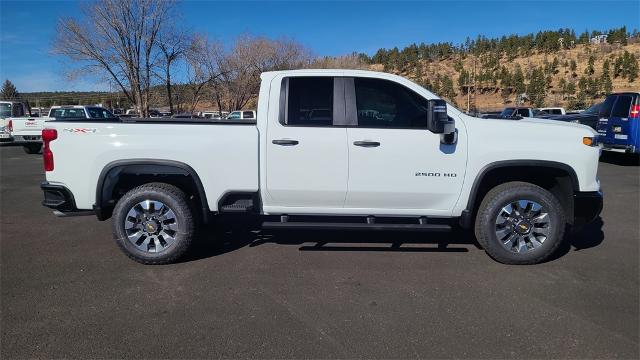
[[467, 213], [111, 172]]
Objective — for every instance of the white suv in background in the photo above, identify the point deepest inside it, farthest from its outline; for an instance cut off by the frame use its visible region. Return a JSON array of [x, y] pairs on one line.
[[242, 115]]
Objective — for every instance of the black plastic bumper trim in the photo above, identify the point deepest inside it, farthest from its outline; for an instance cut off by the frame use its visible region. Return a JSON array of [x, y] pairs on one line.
[[587, 206], [59, 198]]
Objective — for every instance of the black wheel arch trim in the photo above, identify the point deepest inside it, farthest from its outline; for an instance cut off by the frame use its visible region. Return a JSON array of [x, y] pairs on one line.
[[146, 166], [467, 214]]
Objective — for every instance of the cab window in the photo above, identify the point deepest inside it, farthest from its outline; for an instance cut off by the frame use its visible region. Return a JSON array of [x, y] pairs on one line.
[[386, 104], [309, 101], [234, 115], [622, 106]]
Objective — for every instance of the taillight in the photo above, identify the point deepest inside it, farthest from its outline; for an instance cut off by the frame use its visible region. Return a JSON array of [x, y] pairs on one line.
[[10, 126], [635, 112], [48, 135]]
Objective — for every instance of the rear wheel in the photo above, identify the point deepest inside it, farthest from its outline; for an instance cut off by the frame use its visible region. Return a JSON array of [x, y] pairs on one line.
[[520, 223], [153, 223], [32, 148]]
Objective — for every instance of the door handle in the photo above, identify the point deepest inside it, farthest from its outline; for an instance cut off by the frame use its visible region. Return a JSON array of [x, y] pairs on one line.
[[366, 143], [285, 142]]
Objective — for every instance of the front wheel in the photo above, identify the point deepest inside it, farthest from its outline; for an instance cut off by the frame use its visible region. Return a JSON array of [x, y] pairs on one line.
[[154, 224], [520, 223]]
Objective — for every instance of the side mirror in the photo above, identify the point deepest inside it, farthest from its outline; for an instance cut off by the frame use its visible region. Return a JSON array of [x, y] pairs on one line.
[[438, 122]]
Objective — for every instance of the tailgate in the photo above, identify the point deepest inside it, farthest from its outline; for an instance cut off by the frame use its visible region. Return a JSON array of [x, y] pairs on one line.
[[27, 126]]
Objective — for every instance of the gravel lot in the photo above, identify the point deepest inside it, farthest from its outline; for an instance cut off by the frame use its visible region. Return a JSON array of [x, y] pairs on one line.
[[67, 291]]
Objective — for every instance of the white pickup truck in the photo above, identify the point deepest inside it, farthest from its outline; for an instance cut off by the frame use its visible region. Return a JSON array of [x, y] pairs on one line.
[[338, 149], [27, 130]]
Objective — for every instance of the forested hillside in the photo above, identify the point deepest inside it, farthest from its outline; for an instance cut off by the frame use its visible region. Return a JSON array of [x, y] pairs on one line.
[[547, 68]]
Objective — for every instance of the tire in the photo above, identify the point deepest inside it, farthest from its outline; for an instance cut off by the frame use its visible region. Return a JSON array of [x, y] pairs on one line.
[[32, 148], [146, 231], [512, 235]]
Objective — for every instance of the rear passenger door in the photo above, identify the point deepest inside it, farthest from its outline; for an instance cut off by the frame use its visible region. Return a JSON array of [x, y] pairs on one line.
[[306, 153], [397, 166]]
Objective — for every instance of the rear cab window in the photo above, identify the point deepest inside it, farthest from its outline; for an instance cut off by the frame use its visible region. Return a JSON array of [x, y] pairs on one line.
[[68, 113], [308, 102], [5, 110], [622, 107]]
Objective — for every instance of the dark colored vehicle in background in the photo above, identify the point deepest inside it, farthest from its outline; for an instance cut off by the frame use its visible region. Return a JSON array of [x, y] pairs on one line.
[[619, 123], [588, 117], [514, 113]]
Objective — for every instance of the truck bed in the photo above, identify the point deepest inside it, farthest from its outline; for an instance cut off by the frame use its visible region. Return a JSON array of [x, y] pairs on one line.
[[225, 157]]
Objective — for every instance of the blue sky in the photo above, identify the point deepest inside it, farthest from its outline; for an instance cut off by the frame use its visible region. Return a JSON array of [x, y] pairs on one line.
[[27, 28]]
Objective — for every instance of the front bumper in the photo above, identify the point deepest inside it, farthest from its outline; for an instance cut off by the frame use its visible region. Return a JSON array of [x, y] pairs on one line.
[[587, 206], [60, 199]]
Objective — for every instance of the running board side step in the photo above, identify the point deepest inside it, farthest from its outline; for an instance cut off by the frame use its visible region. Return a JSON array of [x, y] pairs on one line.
[[353, 226]]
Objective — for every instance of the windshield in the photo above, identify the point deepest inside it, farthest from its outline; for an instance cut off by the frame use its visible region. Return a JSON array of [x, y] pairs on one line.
[[594, 109], [5, 110], [507, 112]]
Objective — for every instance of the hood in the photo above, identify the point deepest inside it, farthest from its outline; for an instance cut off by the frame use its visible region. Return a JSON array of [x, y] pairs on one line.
[[558, 123]]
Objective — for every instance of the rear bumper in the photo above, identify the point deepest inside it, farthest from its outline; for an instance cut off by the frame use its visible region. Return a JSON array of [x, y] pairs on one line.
[[24, 139], [620, 148], [60, 199], [587, 206]]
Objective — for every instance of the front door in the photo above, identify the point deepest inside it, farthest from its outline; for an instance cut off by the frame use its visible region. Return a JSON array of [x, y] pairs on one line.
[[307, 161], [396, 166]]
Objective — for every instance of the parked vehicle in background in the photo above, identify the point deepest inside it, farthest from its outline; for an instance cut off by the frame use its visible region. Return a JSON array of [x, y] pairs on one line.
[[10, 109], [242, 115], [79, 112], [588, 117], [619, 124], [185, 116], [388, 154], [552, 110], [213, 114], [514, 113], [39, 111], [27, 130]]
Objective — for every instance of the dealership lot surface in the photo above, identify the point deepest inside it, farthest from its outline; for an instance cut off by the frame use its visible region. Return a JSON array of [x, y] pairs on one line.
[[67, 291]]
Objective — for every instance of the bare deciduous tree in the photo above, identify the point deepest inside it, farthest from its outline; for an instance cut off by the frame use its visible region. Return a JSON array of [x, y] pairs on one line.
[[172, 44], [119, 38], [240, 67]]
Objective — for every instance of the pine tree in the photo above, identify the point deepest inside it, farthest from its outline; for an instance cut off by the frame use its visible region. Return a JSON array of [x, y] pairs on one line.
[[9, 91], [605, 79], [518, 80], [629, 66], [573, 67], [463, 81], [537, 87], [590, 70]]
